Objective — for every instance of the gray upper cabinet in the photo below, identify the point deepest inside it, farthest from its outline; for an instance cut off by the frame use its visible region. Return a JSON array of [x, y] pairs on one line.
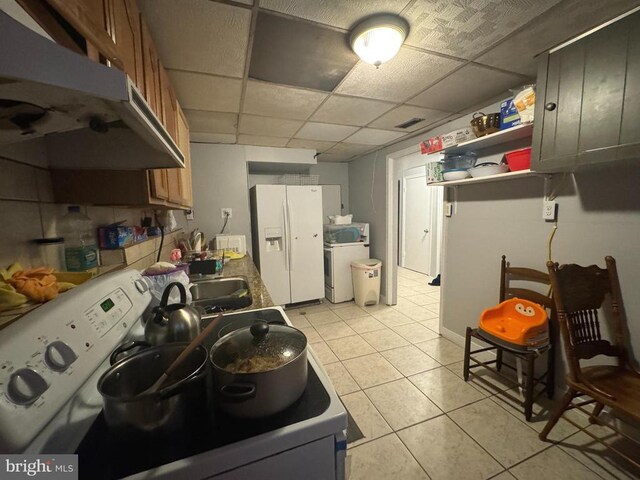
[[588, 100]]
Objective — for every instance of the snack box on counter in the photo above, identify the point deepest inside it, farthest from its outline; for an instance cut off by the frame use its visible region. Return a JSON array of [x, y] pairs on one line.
[[120, 236]]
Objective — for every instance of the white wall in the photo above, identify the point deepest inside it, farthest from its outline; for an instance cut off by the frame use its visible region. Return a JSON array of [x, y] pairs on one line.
[[219, 176], [599, 215], [330, 173]]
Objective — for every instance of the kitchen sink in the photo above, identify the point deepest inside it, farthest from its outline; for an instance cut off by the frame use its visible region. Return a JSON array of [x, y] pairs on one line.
[[226, 293]]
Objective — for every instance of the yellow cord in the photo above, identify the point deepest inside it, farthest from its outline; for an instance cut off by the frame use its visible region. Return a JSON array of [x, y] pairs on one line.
[[553, 233]]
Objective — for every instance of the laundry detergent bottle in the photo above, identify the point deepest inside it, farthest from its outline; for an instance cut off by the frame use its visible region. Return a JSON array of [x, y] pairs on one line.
[[80, 243]]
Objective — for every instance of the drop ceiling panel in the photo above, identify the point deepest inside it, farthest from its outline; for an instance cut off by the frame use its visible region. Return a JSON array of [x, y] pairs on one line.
[[262, 140], [566, 20], [405, 113], [350, 149], [212, 137], [273, 127], [317, 145], [299, 53], [465, 28], [398, 79], [337, 13], [271, 100], [200, 91], [325, 131], [350, 110], [199, 35], [211, 122], [467, 86], [373, 136]]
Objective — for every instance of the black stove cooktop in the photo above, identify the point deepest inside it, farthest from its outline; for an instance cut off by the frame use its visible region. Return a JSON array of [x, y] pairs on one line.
[[105, 454]]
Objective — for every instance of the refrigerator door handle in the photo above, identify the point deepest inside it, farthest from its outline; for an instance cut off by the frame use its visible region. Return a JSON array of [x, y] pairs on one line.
[[290, 233], [285, 215]]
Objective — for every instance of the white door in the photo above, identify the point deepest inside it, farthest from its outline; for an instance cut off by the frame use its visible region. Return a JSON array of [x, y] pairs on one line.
[[421, 208], [306, 264]]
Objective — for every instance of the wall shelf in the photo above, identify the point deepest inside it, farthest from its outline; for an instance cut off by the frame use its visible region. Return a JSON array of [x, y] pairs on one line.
[[489, 178], [503, 136]]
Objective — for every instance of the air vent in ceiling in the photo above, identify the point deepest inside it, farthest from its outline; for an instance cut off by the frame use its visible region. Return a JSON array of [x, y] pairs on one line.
[[409, 123]]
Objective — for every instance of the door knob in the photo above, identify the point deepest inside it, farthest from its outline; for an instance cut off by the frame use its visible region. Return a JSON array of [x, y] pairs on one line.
[[550, 106]]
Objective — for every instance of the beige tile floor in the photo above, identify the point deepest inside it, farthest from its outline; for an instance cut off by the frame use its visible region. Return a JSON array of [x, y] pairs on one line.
[[402, 383]]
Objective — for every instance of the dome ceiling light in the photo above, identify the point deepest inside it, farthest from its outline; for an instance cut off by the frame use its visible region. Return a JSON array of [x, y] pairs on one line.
[[378, 39]]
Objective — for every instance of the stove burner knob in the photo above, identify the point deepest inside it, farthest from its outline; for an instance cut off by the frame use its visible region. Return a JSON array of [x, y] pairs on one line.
[[25, 386], [58, 356], [141, 286]]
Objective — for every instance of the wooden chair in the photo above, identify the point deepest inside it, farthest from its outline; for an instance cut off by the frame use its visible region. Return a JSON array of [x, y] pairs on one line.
[[508, 274], [579, 293]]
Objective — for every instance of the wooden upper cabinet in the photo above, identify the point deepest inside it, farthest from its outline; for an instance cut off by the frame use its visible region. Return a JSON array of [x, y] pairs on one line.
[[124, 26], [588, 100], [89, 18], [185, 173], [151, 72]]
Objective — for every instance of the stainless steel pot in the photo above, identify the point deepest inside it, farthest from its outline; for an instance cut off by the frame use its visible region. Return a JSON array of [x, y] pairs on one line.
[[177, 322], [187, 391], [259, 370]]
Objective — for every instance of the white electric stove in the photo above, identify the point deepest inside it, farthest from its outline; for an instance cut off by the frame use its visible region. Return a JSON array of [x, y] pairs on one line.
[[50, 362]]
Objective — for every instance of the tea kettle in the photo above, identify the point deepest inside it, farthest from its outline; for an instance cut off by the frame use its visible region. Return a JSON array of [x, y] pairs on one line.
[[177, 322]]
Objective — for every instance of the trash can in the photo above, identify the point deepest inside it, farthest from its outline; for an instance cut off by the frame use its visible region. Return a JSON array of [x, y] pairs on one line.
[[366, 281]]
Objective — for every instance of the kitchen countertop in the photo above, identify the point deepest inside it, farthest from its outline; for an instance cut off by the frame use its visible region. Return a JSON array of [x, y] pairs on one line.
[[245, 267]]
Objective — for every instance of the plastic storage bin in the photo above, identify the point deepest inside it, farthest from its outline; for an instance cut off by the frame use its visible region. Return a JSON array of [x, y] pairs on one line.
[[366, 281], [519, 159]]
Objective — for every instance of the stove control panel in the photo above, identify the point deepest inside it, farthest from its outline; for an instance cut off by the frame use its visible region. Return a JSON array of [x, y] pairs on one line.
[[49, 353]]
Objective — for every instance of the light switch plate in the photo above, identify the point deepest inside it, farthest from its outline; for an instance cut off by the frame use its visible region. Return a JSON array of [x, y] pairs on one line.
[[189, 214], [226, 212]]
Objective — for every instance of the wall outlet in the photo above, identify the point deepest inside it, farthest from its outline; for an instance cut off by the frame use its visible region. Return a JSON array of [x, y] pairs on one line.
[[189, 214], [549, 210], [226, 212], [448, 209]]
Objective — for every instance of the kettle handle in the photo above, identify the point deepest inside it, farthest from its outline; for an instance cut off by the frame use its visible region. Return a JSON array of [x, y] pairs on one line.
[[165, 295]]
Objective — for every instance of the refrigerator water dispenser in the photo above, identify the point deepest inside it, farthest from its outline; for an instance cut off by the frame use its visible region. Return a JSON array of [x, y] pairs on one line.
[[273, 239]]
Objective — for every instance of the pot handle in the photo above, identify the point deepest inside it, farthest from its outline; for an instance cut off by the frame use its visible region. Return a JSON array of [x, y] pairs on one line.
[[125, 347], [238, 392], [180, 387]]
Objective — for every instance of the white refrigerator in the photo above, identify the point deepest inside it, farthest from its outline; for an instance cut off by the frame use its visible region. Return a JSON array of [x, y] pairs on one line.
[[286, 223]]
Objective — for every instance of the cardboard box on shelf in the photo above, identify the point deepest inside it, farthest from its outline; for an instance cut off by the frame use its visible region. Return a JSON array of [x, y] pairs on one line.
[[457, 136], [431, 145]]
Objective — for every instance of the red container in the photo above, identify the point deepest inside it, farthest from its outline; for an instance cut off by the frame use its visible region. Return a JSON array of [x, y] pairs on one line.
[[519, 159]]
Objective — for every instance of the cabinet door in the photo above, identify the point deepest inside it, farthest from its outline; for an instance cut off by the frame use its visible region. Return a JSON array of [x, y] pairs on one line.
[[89, 18], [124, 28], [151, 72], [588, 104], [169, 117], [184, 173]]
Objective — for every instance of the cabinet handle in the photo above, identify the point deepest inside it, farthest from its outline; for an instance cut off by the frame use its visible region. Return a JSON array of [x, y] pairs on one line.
[[550, 106]]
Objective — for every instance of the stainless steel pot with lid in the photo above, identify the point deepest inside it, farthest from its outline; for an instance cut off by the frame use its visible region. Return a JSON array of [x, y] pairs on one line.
[[186, 392], [259, 370]]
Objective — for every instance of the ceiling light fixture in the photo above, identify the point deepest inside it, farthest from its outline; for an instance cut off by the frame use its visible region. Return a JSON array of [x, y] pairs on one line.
[[378, 39]]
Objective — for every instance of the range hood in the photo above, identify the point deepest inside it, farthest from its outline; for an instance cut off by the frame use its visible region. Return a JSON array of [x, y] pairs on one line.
[[91, 116]]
